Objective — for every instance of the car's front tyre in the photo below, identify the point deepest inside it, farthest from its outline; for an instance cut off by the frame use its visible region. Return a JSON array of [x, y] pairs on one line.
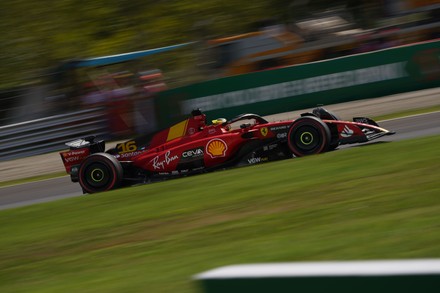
[[307, 136]]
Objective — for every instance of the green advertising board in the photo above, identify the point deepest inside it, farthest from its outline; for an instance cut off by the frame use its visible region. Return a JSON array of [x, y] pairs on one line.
[[354, 77]]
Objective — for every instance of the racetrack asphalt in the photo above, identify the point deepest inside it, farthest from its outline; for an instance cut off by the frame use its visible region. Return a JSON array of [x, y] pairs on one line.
[[58, 188]]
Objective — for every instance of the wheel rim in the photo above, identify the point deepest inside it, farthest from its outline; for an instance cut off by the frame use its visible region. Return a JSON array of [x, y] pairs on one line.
[[307, 138], [98, 175]]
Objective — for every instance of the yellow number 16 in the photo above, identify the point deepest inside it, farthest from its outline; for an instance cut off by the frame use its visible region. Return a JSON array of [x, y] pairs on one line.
[[129, 146]]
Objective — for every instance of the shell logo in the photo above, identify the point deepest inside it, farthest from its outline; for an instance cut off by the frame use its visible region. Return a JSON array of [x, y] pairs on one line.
[[216, 148]]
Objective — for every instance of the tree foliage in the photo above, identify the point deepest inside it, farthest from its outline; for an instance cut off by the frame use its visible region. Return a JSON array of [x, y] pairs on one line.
[[37, 35]]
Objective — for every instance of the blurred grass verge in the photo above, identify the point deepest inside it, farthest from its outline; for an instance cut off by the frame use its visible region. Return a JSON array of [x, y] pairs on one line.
[[377, 201], [32, 179]]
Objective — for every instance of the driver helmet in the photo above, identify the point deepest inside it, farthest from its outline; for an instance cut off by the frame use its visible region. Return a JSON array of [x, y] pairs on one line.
[[218, 121]]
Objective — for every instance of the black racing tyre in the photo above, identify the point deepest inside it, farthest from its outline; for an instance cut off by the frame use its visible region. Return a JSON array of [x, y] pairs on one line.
[[100, 172], [307, 136]]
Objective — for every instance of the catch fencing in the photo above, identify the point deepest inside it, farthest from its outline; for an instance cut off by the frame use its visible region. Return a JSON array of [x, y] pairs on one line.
[[50, 134]]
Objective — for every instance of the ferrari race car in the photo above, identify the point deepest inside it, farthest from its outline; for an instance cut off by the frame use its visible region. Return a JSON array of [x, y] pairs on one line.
[[192, 146]]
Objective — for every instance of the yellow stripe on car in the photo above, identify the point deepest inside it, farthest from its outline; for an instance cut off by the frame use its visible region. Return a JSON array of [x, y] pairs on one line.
[[177, 130]]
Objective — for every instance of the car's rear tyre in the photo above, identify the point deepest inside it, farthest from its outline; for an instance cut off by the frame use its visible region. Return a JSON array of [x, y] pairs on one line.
[[307, 136], [100, 172]]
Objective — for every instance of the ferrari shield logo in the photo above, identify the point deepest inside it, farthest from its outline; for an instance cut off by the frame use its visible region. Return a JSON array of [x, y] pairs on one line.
[[264, 131]]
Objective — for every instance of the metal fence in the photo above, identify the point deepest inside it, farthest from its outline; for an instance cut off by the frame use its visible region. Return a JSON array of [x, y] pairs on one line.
[[49, 134]]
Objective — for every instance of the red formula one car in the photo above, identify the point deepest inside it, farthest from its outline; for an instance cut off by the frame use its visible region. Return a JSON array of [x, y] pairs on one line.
[[192, 146]]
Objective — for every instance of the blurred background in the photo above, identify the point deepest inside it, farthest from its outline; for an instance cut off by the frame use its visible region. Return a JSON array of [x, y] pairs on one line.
[[68, 56]]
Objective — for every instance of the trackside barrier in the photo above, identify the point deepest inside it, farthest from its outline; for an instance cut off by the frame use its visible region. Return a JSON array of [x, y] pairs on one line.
[[49, 134], [393, 276], [362, 76]]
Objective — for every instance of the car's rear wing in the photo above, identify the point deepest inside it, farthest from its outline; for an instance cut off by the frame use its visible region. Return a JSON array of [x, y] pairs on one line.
[[80, 149]]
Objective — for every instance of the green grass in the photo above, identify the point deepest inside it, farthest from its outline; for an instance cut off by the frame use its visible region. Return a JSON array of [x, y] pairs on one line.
[[371, 202]]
